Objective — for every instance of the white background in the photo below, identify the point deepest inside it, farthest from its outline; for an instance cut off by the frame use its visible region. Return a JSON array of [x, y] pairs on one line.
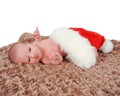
[[19, 16]]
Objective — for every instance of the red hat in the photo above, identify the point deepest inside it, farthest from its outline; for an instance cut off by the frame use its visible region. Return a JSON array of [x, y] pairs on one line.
[[94, 38], [78, 45], [81, 45]]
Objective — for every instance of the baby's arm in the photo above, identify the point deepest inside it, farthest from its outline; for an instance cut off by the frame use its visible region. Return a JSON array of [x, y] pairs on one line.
[[52, 58], [37, 35]]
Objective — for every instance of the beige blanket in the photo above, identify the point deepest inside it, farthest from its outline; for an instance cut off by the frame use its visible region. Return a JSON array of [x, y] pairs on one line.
[[103, 79]]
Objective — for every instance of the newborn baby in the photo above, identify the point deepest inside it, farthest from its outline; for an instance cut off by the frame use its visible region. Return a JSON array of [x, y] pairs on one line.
[[78, 45], [46, 51]]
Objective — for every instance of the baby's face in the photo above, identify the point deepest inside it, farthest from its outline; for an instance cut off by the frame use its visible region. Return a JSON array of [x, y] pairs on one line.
[[28, 53]]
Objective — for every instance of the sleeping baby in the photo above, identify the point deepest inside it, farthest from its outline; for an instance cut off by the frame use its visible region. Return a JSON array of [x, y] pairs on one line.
[[78, 45], [46, 51]]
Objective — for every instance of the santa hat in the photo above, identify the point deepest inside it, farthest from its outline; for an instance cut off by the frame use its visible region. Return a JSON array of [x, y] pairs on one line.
[[80, 45]]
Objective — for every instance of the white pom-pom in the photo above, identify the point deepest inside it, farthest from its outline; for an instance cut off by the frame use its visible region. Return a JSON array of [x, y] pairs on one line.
[[107, 46]]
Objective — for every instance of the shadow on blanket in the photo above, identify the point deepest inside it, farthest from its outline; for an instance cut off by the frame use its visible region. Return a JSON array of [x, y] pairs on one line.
[[103, 79]]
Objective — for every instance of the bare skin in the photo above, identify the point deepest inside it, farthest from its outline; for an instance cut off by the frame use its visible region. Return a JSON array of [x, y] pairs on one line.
[[46, 51]]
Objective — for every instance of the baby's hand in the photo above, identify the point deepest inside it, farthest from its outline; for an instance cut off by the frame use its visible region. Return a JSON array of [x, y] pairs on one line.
[[53, 58], [37, 35]]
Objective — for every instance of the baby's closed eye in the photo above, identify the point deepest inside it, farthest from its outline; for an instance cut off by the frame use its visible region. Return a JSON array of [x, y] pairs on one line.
[[29, 60], [29, 56], [29, 49]]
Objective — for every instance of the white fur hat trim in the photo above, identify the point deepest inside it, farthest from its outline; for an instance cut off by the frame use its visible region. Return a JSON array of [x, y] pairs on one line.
[[78, 49]]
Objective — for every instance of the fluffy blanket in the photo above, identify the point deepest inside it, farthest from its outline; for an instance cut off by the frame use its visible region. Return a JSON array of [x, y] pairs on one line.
[[66, 79]]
